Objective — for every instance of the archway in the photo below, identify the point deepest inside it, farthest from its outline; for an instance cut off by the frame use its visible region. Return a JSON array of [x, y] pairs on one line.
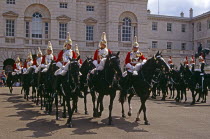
[[8, 65]]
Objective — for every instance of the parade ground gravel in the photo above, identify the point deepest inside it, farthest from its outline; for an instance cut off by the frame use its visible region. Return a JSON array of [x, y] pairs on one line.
[[20, 119]]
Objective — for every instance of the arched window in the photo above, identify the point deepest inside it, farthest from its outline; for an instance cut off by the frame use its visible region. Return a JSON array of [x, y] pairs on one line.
[[37, 25], [126, 29]]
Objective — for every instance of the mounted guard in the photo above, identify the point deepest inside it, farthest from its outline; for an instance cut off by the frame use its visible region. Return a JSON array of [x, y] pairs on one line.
[[170, 62], [201, 62], [17, 67], [28, 64], [133, 59], [38, 61], [65, 56], [47, 59], [101, 54]]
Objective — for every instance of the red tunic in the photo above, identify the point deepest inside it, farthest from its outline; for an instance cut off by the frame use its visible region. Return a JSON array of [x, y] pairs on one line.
[[34, 62], [43, 59], [128, 60], [96, 54], [80, 61], [170, 61], [14, 66], [60, 56], [25, 65]]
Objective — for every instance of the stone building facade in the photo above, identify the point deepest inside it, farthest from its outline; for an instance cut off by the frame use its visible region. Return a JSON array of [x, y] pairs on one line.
[[27, 25]]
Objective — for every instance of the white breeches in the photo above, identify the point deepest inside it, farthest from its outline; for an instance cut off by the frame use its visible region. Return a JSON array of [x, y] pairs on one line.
[[38, 68], [134, 69], [46, 68], [62, 69], [99, 66], [17, 72], [27, 70]]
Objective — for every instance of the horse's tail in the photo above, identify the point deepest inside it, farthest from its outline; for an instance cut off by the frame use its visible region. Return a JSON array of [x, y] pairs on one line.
[[122, 96]]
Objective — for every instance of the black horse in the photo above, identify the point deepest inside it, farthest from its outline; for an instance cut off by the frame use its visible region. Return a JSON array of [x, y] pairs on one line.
[[10, 81], [104, 83], [86, 67], [27, 79], [143, 83], [70, 87]]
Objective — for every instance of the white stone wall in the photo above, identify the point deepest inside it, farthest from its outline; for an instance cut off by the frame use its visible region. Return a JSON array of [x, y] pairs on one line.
[[106, 17]]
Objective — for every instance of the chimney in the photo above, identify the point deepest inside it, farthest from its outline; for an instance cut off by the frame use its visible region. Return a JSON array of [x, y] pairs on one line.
[[182, 14], [191, 13], [148, 11]]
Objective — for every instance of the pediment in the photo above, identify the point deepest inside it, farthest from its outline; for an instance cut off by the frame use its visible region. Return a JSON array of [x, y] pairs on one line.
[[90, 20], [63, 17], [10, 14]]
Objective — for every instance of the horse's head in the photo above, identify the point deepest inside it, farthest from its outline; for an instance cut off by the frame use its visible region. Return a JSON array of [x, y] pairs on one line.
[[159, 62], [52, 67], [114, 63], [74, 68]]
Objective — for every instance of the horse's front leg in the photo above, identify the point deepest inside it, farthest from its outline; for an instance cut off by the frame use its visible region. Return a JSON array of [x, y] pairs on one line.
[[129, 104], [70, 113], [112, 97], [85, 100], [93, 95], [122, 98]]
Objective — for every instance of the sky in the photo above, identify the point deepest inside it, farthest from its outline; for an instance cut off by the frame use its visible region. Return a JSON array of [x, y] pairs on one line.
[[175, 7]]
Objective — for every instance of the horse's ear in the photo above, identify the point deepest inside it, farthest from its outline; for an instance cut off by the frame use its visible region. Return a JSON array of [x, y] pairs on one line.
[[118, 53], [157, 54], [78, 58]]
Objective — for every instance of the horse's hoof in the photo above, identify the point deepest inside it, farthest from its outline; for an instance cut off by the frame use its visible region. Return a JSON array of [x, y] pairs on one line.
[[193, 103], [69, 125], [146, 123], [64, 116], [94, 114], [197, 100], [123, 116], [86, 113], [57, 118], [137, 119], [129, 113]]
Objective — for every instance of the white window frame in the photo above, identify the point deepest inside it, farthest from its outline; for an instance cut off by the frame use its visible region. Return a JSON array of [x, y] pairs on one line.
[[169, 45], [208, 24], [126, 31], [27, 29], [37, 26], [154, 26], [184, 27], [63, 30], [10, 28], [63, 5], [154, 44], [10, 1], [46, 30], [183, 46], [169, 27], [199, 26], [90, 8], [89, 32]]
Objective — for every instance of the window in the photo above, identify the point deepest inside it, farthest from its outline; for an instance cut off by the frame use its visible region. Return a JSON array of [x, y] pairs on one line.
[[10, 28], [169, 45], [183, 27], [89, 33], [46, 30], [199, 26], [208, 24], [63, 5], [10, 1], [90, 8], [183, 46], [154, 44], [154, 26], [119, 32], [126, 29], [37, 25], [208, 43], [27, 30], [169, 26], [62, 30]]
